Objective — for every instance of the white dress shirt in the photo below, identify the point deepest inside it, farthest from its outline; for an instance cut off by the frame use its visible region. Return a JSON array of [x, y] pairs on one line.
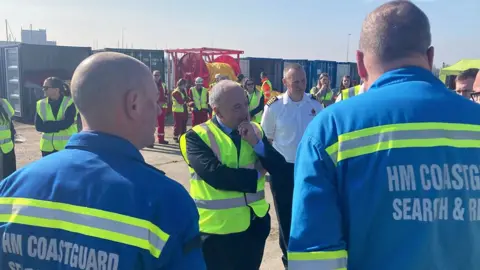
[[285, 121]]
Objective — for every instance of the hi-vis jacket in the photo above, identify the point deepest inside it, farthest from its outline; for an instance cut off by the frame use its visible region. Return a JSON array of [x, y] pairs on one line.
[[390, 179], [97, 205]]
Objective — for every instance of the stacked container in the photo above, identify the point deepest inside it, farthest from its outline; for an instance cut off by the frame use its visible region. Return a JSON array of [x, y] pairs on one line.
[[24, 67], [252, 67], [154, 59], [317, 67]]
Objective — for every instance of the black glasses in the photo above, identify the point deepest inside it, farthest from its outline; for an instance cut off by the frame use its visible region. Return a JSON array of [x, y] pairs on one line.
[[475, 96], [45, 88]]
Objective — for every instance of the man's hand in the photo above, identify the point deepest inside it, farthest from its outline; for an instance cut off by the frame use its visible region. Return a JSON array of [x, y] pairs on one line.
[[259, 168], [191, 104], [247, 132]]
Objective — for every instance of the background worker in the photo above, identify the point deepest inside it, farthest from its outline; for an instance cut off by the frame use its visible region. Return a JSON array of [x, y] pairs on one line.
[[379, 185], [240, 79], [346, 83], [256, 100], [218, 77], [476, 89], [8, 161], [56, 116], [179, 109], [198, 97], [98, 197], [285, 119], [351, 92], [464, 82], [163, 103], [227, 156], [322, 91], [266, 86]]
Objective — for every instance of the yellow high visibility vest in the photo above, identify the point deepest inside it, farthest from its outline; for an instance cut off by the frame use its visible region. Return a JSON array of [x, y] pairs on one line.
[[165, 105], [177, 107], [200, 101], [254, 101], [350, 92], [225, 212], [6, 143], [55, 141], [327, 97]]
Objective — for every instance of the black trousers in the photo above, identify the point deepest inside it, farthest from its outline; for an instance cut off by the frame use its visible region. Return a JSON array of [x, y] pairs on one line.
[[9, 164], [282, 192], [237, 251], [44, 154]]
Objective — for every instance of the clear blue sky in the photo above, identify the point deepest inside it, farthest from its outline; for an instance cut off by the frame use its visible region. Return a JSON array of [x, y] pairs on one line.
[[314, 29]]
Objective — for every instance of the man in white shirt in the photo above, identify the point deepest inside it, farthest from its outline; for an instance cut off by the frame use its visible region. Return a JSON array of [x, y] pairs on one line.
[[284, 121]]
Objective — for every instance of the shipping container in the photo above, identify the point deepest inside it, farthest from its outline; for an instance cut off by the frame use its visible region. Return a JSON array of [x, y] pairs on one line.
[[24, 67], [273, 68], [319, 66], [306, 66], [154, 59], [245, 67]]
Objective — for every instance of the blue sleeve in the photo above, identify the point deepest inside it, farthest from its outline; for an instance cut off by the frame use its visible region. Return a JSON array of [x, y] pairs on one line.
[[183, 250], [259, 148], [316, 216]]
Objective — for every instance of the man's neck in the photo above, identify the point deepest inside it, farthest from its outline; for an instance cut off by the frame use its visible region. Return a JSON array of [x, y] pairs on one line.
[[294, 96]]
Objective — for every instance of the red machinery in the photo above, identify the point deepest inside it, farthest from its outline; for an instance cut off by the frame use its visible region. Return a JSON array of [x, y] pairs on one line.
[[191, 63]]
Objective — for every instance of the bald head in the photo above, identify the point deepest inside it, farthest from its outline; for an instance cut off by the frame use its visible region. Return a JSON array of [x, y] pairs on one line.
[[395, 31], [100, 81], [229, 102], [116, 94]]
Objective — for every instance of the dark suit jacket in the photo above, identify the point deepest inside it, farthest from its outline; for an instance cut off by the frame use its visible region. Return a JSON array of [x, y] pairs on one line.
[[208, 167]]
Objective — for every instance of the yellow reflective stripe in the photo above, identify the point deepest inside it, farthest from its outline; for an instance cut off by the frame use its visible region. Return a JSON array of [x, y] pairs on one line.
[[431, 134], [27, 211], [327, 260]]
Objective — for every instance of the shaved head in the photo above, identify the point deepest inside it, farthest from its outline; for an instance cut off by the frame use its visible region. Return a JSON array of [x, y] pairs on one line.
[[112, 91], [395, 35], [394, 31]]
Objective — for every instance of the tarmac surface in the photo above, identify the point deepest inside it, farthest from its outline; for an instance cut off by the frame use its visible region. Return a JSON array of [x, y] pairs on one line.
[[166, 158]]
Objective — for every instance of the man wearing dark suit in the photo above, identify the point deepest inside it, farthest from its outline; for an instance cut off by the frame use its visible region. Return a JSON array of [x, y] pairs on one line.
[[227, 156]]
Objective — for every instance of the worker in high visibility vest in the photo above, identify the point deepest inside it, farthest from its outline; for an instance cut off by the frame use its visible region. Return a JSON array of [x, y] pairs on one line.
[[56, 116], [322, 92], [240, 79], [384, 178], [179, 109], [351, 92], [255, 100], [162, 101], [266, 86], [7, 135], [97, 204], [226, 158], [198, 96]]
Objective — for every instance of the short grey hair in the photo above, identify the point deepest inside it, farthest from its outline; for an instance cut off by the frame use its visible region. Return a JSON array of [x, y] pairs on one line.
[[289, 66], [215, 95], [394, 31]]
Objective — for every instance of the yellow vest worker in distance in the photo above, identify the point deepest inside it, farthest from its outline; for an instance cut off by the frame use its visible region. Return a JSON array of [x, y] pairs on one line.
[[97, 204], [351, 92], [7, 134], [267, 87], [198, 102], [256, 101], [56, 116], [226, 157]]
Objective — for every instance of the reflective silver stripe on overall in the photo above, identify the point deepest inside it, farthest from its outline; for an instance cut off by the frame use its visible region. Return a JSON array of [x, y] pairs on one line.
[[351, 92], [4, 127], [55, 137], [318, 264], [82, 219], [230, 203]]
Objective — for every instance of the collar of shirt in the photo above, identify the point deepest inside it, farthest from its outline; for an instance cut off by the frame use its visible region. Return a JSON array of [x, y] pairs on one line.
[[286, 99], [103, 142], [405, 74], [225, 129]]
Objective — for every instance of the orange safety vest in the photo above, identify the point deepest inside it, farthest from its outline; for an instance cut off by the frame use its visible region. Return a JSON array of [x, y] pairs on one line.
[[266, 89]]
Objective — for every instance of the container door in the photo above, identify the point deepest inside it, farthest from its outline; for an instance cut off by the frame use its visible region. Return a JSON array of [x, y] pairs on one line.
[[12, 77], [342, 70], [245, 67]]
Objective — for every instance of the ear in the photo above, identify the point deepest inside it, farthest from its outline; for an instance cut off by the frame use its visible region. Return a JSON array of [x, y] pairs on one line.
[[132, 104], [284, 81], [430, 56], [217, 112], [362, 70]]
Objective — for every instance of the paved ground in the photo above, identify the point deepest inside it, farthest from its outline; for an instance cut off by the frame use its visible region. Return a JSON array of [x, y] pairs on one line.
[[166, 158]]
